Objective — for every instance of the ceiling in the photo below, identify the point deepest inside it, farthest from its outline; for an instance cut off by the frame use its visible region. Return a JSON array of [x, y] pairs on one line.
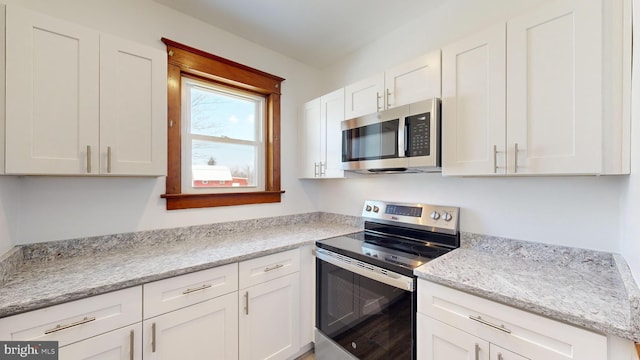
[[317, 33]]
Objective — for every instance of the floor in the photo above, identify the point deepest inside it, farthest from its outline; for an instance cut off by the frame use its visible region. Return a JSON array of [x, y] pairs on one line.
[[307, 356]]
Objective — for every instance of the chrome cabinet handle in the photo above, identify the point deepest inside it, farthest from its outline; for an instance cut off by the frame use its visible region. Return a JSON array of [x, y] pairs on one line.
[[131, 352], [477, 351], [274, 267], [500, 357], [60, 327], [485, 322], [323, 167], [378, 97], [515, 160], [89, 159], [388, 98], [315, 169], [108, 159], [200, 288], [495, 159], [246, 303], [153, 337]]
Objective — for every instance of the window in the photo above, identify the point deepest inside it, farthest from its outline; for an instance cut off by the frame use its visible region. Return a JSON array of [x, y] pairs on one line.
[[224, 125], [222, 139]]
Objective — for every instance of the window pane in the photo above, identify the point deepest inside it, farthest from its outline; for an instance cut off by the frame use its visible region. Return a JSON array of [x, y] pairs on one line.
[[220, 114], [223, 165]]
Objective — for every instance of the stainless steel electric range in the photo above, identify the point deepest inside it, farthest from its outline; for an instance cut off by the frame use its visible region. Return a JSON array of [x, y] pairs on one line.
[[365, 287]]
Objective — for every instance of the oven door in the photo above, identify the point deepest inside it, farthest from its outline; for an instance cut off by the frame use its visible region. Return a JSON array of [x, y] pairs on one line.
[[362, 311]]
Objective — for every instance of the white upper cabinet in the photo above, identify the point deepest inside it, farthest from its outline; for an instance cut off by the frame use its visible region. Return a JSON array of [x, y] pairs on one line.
[[364, 97], [415, 80], [331, 116], [473, 103], [554, 83], [549, 107], [133, 111], [52, 95], [310, 148], [321, 136], [79, 102]]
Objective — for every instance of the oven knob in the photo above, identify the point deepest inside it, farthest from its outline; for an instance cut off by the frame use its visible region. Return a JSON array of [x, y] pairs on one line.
[[368, 207], [446, 216], [435, 215], [376, 209]]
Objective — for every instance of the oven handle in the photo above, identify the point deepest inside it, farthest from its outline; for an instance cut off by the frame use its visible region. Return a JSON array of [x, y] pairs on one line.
[[364, 269]]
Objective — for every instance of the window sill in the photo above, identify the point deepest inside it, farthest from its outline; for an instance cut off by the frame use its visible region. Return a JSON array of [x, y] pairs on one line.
[[189, 201]]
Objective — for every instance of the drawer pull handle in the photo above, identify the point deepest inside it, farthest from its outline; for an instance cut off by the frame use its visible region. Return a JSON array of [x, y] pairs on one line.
[[63, 327], [274, 267], [485, 322], [189, 291], [153, 337], [88, 159], [246, 303], [131, 341]]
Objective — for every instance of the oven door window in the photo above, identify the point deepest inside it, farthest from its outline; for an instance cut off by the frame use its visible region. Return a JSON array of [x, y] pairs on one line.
[[369, 319], [371, 142]]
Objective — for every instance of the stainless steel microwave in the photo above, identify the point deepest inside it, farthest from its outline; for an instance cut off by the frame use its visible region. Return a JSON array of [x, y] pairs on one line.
[[403, 139]]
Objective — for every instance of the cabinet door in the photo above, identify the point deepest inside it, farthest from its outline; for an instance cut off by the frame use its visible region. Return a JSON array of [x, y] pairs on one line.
[[270, 319], [52, 100], [439, 341], [133, 111], [121, 344], [331, 115], [207, 330], [309, 140], [416, 80], [473, 104], [554, 81], [498, 353], [364, 97]]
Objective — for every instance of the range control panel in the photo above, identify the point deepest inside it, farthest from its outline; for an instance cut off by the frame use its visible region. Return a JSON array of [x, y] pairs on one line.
[[437, 218]]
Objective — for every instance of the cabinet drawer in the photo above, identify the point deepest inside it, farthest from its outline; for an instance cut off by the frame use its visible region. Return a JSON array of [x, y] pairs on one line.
[[256, 271], [177, 292], [522, 332], [76, 320]]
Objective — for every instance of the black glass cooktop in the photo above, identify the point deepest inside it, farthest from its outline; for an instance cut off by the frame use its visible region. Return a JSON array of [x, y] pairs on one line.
[[389, 252]]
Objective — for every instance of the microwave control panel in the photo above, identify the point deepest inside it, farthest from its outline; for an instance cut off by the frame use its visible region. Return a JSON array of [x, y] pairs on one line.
[[418, 130]]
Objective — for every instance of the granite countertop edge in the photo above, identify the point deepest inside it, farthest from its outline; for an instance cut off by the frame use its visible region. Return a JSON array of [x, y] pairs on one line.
[[627, 329]]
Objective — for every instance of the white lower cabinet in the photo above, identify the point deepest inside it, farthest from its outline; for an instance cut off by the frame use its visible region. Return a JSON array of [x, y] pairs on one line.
[[456, 325], [269, 319], [269, 324], [200, 315], [119, 344], [207, 330], [102, 327], [192, 316], [444, 342]]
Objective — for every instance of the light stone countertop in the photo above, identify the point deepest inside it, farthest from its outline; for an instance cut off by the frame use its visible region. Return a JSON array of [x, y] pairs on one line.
[[590, 289], [42, 282]]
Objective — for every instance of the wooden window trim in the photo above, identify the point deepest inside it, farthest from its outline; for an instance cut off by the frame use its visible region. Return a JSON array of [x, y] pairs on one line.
[[187, 61]]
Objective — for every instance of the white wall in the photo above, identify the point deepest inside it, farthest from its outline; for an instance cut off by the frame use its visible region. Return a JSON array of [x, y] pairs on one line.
[[54, 208], [581, 212], [630, 246]]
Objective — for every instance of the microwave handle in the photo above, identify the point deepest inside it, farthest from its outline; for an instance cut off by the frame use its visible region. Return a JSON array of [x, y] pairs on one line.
[[406, 138]]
